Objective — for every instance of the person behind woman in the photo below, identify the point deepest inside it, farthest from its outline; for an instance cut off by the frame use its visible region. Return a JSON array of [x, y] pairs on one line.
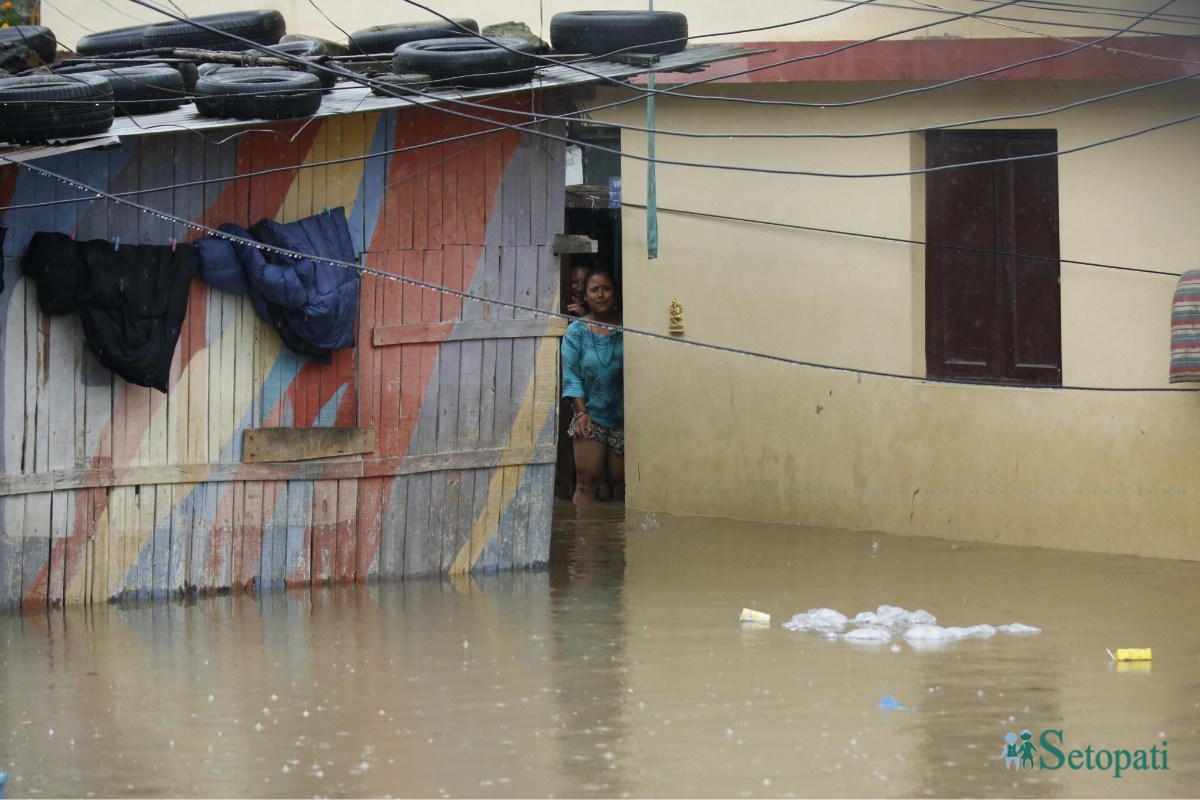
[[594, 384]]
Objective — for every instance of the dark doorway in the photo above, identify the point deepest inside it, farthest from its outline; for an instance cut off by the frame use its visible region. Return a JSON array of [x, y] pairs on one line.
[[992, 309], [593, 209]]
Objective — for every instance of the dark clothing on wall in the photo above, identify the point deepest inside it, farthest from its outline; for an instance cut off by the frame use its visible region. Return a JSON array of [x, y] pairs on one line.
[[133, 308], [55, 264]]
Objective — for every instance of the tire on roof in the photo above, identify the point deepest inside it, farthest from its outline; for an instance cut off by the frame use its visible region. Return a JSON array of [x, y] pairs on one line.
[[258, 93], [117, 40], [186, 69], [468, 61], [386, 38], [145, 89], [261, 27], [40, 107], [306, 48], [603, 32], [37, 38]]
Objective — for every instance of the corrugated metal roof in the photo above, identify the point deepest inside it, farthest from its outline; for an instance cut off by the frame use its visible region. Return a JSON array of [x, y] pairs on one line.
[[346, 98]]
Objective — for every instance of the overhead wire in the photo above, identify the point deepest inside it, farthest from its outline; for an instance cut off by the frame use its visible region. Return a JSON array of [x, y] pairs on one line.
[[503, 127], [640, 93], [901, 240], [464, 295], [777, 171], [1020, 3], [1108, 49]]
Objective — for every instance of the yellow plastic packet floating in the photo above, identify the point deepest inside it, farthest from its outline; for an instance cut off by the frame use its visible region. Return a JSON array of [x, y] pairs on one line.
[[1130, 654], [750, 615]]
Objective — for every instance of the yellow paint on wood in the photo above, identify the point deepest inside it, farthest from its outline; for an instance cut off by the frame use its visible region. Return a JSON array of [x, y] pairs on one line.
[[500, 493]]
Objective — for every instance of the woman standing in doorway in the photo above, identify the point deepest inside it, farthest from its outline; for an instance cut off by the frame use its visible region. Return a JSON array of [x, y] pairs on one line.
[[594, 383]]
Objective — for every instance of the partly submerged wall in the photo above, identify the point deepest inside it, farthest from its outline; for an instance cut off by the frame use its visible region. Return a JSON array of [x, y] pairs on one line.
[[111, 489], [1111, 469]]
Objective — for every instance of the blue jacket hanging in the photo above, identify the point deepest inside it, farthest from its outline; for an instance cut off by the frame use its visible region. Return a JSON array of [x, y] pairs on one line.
[[312, 303]]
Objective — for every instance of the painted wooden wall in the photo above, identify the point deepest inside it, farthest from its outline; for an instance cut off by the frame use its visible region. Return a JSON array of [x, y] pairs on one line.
[[114, 490]]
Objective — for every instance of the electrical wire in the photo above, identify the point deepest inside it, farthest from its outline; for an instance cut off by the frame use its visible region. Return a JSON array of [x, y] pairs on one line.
[[674, 91], [464, 295], [642, 93], [815, 174], [1021, 3], [772, 223], [899, 240], [1097, 10], [1065, 40]]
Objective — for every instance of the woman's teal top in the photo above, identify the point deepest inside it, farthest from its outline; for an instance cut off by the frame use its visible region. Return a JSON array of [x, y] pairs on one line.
[[593, 368]]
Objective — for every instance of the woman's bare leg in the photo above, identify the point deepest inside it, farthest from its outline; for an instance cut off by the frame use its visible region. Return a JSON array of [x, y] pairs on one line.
[[589, 468]]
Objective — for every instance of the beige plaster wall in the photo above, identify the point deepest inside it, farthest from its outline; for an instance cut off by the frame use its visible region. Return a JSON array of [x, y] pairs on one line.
[[809, 19], [739, 436]]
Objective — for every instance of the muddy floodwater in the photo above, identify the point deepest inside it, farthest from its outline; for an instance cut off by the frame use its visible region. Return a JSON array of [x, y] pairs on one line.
[[623, 671]]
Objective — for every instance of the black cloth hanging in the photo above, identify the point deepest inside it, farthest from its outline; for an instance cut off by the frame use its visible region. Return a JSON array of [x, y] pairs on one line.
[[131, 300]]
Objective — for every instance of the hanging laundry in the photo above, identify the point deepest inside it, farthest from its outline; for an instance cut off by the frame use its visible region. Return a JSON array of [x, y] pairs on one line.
[[131, 301], [55, 264], [1185, 329], [312, 303]]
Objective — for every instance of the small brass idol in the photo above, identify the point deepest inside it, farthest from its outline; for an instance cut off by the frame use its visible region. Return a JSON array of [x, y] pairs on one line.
[[675, 326]]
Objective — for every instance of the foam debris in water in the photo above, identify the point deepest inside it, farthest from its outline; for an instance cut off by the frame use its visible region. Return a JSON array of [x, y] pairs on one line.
[[918, 628], [817, 619]]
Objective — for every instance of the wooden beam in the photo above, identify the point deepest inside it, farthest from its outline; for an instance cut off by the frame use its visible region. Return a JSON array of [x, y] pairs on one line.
[[385, 335], [342, 469], [301, 444], [565, 243]]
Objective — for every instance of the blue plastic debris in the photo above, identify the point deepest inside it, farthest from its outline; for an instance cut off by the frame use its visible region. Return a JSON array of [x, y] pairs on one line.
[[892, 704], [3, 778]]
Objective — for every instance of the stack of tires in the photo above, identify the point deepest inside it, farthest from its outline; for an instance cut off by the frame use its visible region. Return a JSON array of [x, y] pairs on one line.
[[41, 107]]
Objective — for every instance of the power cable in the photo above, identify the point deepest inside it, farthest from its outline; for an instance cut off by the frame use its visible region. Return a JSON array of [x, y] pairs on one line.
[[774, 171], [899, 240], [1092, 9], [955, 81], [1065, 40], [641, 92], [731, 218], [1021, 3], [362, 270]]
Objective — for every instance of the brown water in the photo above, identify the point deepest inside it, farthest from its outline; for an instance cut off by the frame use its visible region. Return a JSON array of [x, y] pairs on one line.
[[622, 671]]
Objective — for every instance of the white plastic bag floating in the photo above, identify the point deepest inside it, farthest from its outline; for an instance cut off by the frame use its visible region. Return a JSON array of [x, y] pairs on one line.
[[817, 619], [919, 628]]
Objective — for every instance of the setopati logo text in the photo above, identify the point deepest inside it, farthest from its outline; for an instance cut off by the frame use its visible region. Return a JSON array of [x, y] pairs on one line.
[[1020, 753]]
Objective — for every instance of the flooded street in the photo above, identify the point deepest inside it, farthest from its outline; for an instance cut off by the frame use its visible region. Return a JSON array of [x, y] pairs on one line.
[[623, 671]]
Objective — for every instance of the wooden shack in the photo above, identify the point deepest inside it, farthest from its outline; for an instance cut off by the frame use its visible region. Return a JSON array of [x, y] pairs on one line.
[[427, 448]]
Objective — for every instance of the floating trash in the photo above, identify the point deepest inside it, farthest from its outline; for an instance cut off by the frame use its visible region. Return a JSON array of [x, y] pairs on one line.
[[1130, 654], [918, 628], [750, 615], [889, 703]]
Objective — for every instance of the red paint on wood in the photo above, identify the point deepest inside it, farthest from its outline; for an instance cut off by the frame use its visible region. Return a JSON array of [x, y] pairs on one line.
[[220, 540], [371, 492], [345, 554], [324, 530], [390, 395], [251, 531]]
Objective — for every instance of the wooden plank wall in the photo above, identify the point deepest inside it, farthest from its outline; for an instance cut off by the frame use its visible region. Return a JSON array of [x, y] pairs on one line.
[[111, 490]]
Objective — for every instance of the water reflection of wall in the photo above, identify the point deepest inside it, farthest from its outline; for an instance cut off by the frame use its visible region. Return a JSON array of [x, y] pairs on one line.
[[587, 573]]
